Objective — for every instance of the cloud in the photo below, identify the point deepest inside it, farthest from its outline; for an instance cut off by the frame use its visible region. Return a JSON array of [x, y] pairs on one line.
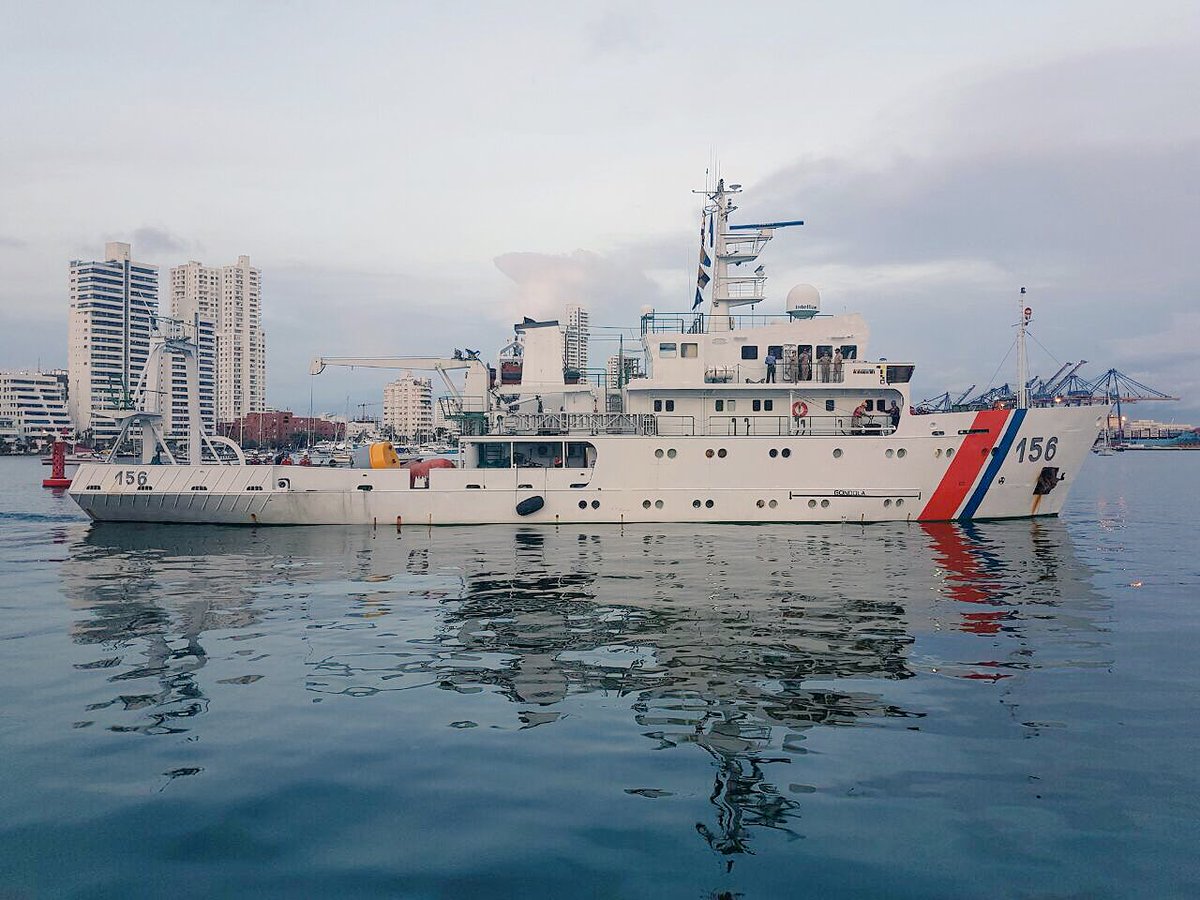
[[545, 283], [150, 241], [11, 243]]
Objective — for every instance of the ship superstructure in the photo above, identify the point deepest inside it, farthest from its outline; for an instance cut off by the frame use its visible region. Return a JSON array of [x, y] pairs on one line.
[[740, 417]]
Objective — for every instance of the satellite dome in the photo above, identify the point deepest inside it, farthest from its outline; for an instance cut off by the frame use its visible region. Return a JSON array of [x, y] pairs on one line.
[[803, 301]]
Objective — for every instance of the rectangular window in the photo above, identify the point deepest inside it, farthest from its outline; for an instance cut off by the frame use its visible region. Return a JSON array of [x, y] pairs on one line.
[[731, 405], [899, 374], [849, 351], [870, 405], [768, 405], [667, 351], [658, 406], [720, 405], [828, 406], [776, 351], [689, 351], [670, 406], [750, 351], [756, 405]]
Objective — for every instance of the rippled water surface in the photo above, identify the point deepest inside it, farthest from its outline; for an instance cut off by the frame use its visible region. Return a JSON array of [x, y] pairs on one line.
[[1009, 709]]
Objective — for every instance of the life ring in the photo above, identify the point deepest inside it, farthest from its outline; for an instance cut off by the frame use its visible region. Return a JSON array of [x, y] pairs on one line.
[[799, 409]]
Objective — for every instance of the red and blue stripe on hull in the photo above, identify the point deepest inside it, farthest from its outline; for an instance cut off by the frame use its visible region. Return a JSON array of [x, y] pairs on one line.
[[983, 450]]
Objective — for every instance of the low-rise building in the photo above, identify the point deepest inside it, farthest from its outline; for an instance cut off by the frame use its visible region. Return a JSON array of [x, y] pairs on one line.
[[282, 428]]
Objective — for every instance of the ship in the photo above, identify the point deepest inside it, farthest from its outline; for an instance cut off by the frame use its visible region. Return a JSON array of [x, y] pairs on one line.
[[731, 416]]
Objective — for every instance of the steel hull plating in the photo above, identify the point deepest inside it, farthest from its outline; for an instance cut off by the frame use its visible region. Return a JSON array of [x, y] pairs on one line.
[[951, 466]]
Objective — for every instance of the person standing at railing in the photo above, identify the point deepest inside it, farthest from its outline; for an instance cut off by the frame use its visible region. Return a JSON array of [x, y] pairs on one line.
[[770, 361], [805, 365], [856, 420], [894, 412], [837, 365], [823, 366]]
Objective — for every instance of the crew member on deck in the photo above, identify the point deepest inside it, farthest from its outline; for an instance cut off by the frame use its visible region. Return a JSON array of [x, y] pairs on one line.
[[770, 361], [894, 412], [837, 365], [805, 365], [856, 420], [823, 366]]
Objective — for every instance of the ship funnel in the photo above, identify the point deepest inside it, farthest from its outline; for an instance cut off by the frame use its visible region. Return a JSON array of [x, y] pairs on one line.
[[803, 301]]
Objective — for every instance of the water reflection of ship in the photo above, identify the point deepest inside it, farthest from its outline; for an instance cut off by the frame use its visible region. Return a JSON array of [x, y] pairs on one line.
[[737, 641]]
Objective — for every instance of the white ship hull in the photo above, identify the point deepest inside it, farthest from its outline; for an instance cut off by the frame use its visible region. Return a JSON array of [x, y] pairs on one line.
[[967, 465]]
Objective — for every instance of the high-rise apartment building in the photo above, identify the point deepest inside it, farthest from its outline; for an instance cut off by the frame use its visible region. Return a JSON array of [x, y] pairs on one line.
[[32, 405], [408, 408], [174, 377], [113, 305], [575, 338], [231, 298]]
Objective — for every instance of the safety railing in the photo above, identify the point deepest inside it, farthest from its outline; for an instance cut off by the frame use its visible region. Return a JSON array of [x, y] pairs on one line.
[[803, 426], [576, 423]]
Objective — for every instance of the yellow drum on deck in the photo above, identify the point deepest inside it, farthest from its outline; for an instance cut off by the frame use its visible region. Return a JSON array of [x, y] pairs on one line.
[[383, 456]]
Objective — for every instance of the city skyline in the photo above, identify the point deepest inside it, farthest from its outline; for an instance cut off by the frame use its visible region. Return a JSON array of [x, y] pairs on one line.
[[939, 168]]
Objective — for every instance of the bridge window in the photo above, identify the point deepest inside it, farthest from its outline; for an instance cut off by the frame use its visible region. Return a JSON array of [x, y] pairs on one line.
[[667, 351], [750, 351], [689, 351], [849, 351], [899, 374]]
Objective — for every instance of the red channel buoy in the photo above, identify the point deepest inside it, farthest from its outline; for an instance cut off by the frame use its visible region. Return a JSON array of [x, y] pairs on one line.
[[58, 467]]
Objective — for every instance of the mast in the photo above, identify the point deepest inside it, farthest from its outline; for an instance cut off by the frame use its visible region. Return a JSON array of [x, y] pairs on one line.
[[1022, 359], [735, 244]]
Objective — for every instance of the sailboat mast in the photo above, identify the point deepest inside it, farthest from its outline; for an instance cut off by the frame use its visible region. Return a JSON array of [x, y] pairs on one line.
[[1026, 313]]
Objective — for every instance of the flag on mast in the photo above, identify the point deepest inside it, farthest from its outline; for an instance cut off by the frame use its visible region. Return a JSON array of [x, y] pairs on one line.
[[702, 276]]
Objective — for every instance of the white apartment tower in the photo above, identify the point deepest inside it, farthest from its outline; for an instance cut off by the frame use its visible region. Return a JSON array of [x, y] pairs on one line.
[[408, 408], [32, 405], [113, 304], [575, 338], [173, 377], [231, 298]]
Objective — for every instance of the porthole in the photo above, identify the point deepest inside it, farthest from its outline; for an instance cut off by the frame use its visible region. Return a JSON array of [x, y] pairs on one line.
[[837, 453], [949, 453], [773, 453], [708, 504], [786, 452], [645, 504], [595, 504], [696, 504], [887, 503], [671, 454], [658, 504], [937, 452], [722, 453], [812, 504], [583, 504], [760, 503], [889, 453], [658, 454], [899, 502], [709, 453], [773, 504], [824, 504], [901, 453]]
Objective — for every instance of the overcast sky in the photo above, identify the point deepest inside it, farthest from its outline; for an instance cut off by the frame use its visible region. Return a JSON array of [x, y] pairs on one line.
[[413, 177]]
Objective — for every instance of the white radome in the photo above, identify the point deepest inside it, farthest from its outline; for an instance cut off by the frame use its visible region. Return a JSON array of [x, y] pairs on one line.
[[803, 301]]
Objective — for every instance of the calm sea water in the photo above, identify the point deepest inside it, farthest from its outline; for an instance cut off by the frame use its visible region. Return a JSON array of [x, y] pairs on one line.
[[1005, 710]]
